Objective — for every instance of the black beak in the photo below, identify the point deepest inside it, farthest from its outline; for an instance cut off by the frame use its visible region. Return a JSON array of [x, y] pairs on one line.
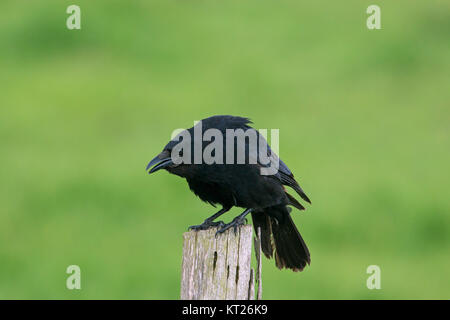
[[161, 161]]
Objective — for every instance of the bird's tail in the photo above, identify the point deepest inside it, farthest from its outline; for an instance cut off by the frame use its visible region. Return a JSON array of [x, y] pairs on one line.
[[263, 221], [291, 251]]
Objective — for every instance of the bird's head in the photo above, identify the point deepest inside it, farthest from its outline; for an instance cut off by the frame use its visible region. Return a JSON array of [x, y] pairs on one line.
[[161, 161], [169, 161]]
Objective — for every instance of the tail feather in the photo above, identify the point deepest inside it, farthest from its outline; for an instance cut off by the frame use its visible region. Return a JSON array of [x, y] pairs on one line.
[[290, 250], [278, 232], [261, 220]]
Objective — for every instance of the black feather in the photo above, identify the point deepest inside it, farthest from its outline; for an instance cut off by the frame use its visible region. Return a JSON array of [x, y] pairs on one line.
[[243, 185]]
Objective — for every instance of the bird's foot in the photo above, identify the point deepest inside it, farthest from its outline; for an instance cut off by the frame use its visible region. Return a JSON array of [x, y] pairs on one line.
[[235, 223], [206, 225]]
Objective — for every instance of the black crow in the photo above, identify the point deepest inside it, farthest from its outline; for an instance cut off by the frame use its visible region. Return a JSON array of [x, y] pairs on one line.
[[230, 183]]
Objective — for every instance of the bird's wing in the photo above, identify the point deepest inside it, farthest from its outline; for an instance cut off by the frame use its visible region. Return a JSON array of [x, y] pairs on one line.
[[290, 181], [285, 175]]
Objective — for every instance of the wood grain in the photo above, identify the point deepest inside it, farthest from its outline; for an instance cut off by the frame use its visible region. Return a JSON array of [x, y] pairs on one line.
[[220, 267]]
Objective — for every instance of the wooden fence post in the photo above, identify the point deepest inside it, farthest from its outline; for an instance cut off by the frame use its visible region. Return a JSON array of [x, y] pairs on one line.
[[220, 267]]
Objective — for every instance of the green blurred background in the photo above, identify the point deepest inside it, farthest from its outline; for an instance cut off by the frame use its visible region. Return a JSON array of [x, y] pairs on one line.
[[364, 125]]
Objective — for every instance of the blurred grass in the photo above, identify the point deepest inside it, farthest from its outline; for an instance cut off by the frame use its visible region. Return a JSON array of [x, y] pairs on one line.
[[363, 118]]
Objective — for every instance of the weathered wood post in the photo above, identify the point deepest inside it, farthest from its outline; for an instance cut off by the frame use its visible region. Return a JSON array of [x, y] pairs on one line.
[[220, 267]]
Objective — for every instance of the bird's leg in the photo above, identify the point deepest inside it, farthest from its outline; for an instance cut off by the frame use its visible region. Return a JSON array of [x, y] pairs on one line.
[[209, 222], [239, 220]]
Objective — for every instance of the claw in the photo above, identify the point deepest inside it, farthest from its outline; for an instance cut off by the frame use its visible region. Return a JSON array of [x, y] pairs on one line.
[[238, 221], [206, 225]]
